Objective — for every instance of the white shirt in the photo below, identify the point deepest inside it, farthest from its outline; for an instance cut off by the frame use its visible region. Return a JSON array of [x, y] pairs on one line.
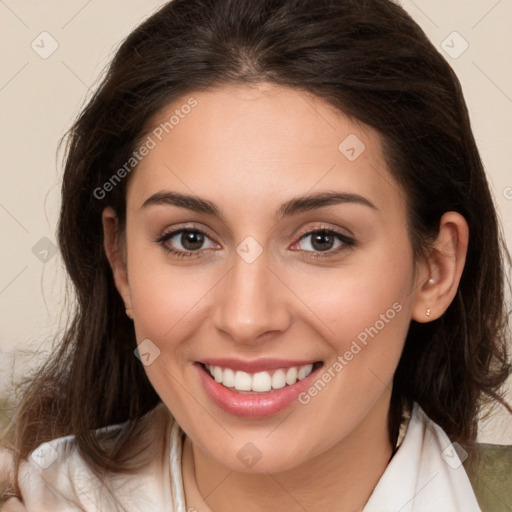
[[425, 475]]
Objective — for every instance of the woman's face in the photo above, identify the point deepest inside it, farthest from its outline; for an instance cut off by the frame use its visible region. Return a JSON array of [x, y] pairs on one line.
[[261, 286]]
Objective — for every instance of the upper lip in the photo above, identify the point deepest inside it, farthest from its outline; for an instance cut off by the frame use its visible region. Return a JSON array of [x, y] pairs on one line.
[[256, 365]]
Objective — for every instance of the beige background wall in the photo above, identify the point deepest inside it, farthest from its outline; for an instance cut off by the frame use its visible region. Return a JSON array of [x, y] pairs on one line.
[[41, 92]]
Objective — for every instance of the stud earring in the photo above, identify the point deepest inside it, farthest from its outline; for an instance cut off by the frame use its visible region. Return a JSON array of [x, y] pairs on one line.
[[428, 312], [431, 281]]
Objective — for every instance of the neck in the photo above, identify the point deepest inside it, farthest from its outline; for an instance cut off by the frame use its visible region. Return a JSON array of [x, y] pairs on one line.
[[341, 478]]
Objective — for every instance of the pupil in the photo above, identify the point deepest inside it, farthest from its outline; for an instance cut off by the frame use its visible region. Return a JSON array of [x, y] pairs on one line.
[[323, 239], [191, 240]]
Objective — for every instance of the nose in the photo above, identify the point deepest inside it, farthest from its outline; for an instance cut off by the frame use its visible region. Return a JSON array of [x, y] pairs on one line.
[[252, 301]]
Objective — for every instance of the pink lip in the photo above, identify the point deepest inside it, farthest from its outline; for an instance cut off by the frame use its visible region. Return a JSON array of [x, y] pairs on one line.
[[257, 365], [253, 405]]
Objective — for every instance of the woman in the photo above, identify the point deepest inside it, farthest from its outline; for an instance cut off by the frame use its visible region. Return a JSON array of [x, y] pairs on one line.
[[288, 269]]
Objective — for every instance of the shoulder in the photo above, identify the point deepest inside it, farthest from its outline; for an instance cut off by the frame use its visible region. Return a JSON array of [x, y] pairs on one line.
[[48, 478], [425, 474], [441, 466], [487, 468], [55, 477], [490, 473]]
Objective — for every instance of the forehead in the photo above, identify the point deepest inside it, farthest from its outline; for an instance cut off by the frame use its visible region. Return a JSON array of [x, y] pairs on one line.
[[257, 144]]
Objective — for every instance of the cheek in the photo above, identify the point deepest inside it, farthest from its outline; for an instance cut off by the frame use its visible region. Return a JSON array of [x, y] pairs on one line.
[[164, 294], [370, 292], [165, 301], [363, 312]]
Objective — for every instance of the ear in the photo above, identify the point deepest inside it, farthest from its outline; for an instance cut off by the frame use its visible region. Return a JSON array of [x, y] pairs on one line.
[[439, 275], [115, 252]]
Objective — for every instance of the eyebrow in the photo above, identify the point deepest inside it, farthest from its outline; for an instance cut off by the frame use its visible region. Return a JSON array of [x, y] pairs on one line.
[[293, 206]]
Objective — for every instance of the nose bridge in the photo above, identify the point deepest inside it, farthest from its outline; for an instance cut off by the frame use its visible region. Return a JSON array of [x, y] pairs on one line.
[[250, 302]]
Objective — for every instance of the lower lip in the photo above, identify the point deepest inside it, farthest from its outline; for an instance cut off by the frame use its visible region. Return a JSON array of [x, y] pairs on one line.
[[257, 405]]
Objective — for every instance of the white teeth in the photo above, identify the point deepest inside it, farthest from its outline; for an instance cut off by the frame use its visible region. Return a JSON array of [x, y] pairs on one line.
[[243, 381], [217, 373], [304, 371], [261, 382], [228, 378], [291, 376], [279, 379]]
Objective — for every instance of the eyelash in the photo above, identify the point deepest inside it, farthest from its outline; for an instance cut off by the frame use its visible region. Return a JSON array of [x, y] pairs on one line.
[[346, 241]]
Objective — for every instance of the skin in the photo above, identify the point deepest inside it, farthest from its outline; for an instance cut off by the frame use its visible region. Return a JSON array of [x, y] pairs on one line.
[[249, 149]]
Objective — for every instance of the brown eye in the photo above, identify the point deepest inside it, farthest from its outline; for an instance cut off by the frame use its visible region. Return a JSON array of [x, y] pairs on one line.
[[192, 240], [322, 241], [185, 242]]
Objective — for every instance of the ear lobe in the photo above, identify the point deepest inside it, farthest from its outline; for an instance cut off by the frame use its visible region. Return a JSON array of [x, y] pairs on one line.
[[439, 279], [115, 256]]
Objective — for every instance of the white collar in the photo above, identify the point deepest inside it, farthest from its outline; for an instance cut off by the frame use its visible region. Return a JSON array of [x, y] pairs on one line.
[[424, 475]]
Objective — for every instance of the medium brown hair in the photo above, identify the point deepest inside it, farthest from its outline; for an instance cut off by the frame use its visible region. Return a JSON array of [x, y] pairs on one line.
[[367, 58]]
